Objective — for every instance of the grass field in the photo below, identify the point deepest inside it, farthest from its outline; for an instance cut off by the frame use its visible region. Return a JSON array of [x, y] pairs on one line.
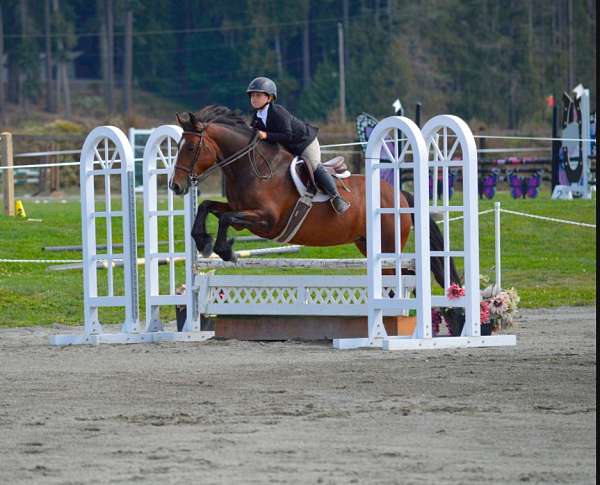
[[550, 264]]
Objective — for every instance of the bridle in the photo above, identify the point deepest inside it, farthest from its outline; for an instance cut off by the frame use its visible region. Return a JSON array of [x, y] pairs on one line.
[[219, 164]]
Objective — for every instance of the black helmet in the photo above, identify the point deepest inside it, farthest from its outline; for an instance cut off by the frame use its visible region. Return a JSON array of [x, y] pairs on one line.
[[262, 85]]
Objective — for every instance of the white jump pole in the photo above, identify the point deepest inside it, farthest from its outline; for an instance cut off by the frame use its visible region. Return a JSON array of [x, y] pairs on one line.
[[498, 285]]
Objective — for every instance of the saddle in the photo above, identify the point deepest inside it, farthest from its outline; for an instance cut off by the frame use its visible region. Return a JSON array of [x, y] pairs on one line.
[[336, 167], [301, 176]]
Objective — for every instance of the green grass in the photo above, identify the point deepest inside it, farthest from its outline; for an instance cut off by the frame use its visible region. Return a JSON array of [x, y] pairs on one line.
[[550, 264]]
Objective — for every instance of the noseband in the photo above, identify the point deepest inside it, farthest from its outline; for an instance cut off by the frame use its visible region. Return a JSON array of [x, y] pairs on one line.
[[196, 179]]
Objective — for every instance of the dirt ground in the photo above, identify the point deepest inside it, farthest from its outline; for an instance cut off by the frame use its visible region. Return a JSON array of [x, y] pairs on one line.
[[288, 412]]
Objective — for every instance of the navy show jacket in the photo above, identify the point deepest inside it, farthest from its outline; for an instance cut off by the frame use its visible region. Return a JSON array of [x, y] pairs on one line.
[[284, 128]]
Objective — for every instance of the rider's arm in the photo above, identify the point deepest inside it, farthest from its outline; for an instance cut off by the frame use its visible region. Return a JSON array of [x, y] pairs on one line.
[[281, 128]]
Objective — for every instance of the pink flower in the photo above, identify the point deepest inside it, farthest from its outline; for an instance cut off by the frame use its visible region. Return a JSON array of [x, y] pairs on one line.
[[484, 311], [455, 291]]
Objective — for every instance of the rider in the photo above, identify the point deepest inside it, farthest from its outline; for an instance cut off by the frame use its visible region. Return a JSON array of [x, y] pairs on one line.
[[276, 125]]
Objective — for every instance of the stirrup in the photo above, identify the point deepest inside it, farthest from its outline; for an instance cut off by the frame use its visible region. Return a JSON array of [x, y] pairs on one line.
[[339, 205]]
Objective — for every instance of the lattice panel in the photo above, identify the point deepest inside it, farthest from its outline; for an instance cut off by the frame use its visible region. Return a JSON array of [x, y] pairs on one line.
[[222, 295], [336, 296], [227, 295]]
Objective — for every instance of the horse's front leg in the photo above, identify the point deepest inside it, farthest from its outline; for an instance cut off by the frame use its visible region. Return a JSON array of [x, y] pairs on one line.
[[204, 241], [254, 220]]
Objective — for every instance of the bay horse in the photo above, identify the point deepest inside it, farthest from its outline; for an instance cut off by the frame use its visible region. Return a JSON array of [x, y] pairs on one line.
[[261, 194]]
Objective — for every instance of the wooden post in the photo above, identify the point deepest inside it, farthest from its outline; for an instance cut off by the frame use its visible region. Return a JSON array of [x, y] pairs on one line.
[[6, 151], [54, 172]]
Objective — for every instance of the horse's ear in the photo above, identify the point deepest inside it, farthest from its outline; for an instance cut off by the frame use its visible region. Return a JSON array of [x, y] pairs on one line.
[[193, 119], [179, 119]]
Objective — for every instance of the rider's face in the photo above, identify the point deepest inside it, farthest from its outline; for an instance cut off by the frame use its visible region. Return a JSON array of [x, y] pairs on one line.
[[258, 100]]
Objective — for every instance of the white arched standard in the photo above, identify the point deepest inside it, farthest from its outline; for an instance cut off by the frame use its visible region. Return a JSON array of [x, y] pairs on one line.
[[451, 147], [407, 153], [160, 155], [446, 143], [106, 155]]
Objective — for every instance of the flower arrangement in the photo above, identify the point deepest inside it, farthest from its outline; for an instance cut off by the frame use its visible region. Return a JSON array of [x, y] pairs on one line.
[[497, 309], [502, 307]]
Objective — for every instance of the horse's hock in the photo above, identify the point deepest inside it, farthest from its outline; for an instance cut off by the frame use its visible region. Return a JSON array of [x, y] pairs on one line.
[[376, 310]]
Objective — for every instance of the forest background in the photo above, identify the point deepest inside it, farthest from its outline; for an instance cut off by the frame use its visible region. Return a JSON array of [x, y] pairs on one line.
[[487, 60]]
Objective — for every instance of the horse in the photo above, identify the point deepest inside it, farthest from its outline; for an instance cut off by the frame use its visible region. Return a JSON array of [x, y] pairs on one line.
[[261, 195]]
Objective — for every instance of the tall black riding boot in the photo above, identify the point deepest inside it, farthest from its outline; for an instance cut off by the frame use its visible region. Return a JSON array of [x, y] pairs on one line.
[[327, 184]]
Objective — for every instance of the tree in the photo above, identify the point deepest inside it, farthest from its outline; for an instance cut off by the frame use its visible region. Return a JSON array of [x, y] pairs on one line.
[[128, 62], [2, 97], [65, 41], [50, 99]]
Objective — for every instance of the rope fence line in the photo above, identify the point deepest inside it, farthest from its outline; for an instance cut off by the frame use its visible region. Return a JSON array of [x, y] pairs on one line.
[[335, 145], [341, 145], [550, 219], [45, 154], [494, 137], [539, 138], [69, 164], [40, 261], [58, 164], [487, 211]]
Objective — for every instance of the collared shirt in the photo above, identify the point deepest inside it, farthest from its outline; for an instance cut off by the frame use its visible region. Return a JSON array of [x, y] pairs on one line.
[[262, 114]]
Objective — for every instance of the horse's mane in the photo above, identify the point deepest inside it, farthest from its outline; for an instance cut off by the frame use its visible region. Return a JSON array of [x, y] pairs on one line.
[[223, 115]]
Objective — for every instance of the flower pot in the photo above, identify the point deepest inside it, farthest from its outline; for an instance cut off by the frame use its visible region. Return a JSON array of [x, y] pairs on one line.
[[400, 325]]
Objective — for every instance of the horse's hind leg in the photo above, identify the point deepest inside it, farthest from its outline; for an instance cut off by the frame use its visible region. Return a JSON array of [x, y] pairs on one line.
[[204, 241], [388, 244]]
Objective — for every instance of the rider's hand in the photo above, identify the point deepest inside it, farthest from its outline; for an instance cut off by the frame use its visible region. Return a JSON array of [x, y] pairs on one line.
[[262, 134]]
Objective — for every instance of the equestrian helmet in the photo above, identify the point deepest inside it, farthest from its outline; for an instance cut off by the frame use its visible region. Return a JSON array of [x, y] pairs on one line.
[[262, 85]]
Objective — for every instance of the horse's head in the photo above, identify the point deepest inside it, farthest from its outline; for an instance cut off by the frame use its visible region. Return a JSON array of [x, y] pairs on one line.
[[197, 153]]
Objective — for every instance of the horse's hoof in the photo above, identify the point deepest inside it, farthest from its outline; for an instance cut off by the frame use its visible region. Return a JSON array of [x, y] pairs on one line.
[[207, 249], [227, 254], [204, 244]]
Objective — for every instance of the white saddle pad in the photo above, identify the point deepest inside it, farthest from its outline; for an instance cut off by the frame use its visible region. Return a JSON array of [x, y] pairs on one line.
[[301, 188]]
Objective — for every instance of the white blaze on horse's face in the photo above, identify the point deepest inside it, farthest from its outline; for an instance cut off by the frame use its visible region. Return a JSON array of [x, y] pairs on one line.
[[184, 166], [196, 154]]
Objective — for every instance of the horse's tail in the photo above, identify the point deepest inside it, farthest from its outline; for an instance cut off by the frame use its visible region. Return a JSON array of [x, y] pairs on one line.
[[436, 243], [455, 316]]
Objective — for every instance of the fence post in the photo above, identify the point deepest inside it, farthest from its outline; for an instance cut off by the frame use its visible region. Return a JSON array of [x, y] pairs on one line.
[[6, 148]]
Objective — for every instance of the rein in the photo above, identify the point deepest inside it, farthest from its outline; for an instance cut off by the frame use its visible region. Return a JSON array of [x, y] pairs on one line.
[[248, 149]]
